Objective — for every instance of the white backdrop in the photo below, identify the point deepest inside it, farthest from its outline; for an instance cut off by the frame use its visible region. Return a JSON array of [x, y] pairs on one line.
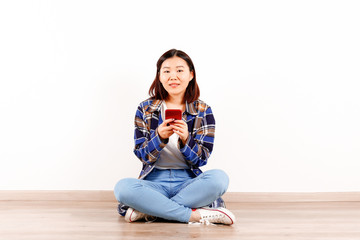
[[282, 78]]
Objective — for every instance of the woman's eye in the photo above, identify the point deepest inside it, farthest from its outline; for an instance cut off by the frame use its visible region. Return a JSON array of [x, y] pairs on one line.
[[180, 70], [166, 71]]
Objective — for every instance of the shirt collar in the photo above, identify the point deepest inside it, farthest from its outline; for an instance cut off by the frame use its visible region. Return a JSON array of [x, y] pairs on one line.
[[155, 106], [190, 108]]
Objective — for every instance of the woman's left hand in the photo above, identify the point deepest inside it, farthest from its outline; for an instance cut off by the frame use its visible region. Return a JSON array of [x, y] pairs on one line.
[[180, 128]]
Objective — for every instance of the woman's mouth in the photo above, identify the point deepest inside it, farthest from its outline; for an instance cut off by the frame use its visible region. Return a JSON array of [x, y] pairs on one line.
[[174, 85]]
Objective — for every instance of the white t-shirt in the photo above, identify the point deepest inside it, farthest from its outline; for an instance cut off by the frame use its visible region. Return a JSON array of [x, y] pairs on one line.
[[170, 156]]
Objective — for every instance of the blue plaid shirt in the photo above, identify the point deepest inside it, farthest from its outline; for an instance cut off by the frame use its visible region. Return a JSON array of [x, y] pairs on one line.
[[199, 145], [196, 151]]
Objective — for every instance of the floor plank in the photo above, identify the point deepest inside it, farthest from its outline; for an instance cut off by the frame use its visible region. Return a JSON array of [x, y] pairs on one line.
[[99, 220]]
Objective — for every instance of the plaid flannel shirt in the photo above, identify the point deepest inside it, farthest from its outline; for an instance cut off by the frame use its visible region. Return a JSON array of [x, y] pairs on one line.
[[199, 145], [196, 151]]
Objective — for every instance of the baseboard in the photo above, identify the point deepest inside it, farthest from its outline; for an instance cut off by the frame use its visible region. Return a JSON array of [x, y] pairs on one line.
[[57, 195], [292, 197], [108, 196]]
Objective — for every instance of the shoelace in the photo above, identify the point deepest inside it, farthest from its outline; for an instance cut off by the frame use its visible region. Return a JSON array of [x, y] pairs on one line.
[[214, 216], [205, 219]]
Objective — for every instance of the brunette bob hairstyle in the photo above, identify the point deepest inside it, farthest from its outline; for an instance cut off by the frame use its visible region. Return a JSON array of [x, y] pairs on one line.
[[157, 90]]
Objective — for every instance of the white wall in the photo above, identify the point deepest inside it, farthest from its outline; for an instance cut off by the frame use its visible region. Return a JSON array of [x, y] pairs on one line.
[[282, 78]]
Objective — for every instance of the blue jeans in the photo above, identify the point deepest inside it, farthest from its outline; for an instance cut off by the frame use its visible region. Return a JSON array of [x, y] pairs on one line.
[[172, 193]]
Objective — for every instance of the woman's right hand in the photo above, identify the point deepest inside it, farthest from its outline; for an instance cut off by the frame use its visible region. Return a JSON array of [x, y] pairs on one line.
[[164, 130]]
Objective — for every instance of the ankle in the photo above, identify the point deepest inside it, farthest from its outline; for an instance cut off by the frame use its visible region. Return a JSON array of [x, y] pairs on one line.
[[195, 216]]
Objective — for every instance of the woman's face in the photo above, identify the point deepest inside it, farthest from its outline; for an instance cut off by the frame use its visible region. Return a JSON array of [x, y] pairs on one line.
[[175, 76]]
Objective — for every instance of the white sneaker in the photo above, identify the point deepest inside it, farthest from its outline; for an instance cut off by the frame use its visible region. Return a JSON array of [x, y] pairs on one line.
[[216, 215], [133, 215]]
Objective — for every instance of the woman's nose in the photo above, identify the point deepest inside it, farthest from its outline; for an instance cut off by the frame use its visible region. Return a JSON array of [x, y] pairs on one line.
[[173, 75]]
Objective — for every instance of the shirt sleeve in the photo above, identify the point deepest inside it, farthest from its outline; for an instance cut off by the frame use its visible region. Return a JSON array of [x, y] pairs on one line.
[[199, 146], [148, 144]]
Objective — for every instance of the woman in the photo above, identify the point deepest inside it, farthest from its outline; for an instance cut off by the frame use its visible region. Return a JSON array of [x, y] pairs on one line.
[[171, 185]]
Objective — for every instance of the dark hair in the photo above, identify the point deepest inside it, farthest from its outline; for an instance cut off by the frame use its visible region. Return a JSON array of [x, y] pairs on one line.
[[157, 90]]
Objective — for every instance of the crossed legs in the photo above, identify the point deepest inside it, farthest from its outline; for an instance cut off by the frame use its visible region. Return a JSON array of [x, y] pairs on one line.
[[154, 197]]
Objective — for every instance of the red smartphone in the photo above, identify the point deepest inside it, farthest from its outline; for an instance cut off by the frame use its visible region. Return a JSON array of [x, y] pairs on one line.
[[173, 113]]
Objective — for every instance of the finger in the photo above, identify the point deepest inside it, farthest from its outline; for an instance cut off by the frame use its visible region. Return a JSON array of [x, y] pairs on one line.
[[180, 122], [181, 135], [168, 133], [167, 127], [182, 128], [168, 121], [164, 128], [176, 126], [177, 129], [178, 133]]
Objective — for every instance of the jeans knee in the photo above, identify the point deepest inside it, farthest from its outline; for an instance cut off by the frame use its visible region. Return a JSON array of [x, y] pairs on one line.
[[220, 180], [123, 189]]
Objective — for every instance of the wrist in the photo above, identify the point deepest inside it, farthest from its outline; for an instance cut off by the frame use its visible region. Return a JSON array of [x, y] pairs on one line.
[[164, 140], [183, 142]]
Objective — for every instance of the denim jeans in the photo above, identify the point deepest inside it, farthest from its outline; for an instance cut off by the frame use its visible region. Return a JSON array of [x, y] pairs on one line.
[[172, 193]]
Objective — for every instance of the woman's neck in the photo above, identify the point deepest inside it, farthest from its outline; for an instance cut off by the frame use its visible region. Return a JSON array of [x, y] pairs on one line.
[[175, 102]]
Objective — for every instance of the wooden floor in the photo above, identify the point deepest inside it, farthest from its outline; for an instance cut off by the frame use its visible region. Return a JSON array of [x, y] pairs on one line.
[[99, 220]]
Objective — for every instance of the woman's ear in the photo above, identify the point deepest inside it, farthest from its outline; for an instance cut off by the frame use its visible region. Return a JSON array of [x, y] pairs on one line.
[[192, 75]]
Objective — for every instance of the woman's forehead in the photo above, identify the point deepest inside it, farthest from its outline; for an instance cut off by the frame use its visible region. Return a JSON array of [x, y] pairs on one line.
[[174, 62]]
